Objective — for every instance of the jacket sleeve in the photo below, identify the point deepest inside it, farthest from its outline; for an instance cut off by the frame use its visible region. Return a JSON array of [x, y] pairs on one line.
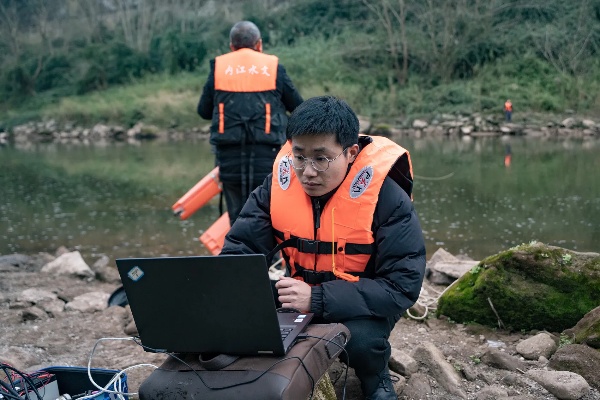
[[206, 102], [290, 97], [399, 266], [252, 232]]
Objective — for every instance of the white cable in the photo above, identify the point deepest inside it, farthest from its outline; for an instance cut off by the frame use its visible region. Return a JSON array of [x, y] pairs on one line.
[[417, 318], [274, 272], [116, 379], [276, 263], [427, 301]]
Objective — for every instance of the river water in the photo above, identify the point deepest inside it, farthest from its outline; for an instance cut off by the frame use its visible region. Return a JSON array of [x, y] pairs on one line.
[[115, 199]]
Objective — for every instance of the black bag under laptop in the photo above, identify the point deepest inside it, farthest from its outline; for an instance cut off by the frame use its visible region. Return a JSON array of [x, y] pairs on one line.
[[293, 376], [208, 304]]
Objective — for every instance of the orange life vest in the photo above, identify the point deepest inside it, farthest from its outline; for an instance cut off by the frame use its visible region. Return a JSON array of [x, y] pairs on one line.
[[344, 241], [245, 70], [508, 106], [246, 105]]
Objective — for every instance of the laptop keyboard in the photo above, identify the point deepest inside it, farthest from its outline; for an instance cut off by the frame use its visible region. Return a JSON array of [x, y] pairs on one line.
[[285, 332]]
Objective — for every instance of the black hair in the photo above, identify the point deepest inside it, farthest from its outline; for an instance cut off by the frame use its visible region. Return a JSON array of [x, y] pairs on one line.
[[244, 35], [324, 115]]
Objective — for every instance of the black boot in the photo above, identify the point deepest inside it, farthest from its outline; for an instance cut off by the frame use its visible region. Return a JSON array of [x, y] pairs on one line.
[[385, 388]]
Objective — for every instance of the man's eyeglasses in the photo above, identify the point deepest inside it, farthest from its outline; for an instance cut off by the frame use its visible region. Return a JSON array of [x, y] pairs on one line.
[[319, 163]]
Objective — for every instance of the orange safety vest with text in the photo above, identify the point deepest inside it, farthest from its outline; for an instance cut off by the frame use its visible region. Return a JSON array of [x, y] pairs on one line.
[[246, 105], [344, 241]]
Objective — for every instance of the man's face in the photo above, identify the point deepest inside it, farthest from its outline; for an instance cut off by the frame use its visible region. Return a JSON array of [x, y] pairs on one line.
[[319, 149]]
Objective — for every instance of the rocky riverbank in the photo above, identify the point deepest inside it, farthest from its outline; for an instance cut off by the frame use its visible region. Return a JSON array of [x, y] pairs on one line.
[[474, 125], [54, 307]]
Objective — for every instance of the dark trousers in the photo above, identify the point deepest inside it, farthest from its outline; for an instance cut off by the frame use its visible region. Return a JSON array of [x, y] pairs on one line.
[[243, 171], [368, 350], [234, 199]]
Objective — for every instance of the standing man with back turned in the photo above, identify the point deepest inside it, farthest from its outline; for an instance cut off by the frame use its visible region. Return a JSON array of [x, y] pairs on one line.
[[246, 95], [338, 206]]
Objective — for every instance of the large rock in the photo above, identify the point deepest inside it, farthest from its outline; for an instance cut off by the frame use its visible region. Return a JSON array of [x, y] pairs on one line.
[[14, 260], [444, 373], [541, 345], [578, 358], [502, 360], [104, 271], [69, 264], [24, 262], [562, 384], [444, 268], [35, 295], [587, 330], [419, 124], [88, 302], [532, 286]]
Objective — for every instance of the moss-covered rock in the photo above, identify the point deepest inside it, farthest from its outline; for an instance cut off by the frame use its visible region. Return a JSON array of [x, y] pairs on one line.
[[532, 286], [587, 330]]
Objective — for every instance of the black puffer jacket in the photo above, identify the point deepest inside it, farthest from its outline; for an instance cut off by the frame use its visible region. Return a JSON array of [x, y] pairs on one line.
[[395, 271]]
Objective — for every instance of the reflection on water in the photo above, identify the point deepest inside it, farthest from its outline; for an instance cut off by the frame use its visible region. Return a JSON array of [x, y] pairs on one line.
[[547, 193], [116, 199]]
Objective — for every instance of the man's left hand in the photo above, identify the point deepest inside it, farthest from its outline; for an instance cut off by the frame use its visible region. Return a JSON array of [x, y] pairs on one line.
[[294, 293]]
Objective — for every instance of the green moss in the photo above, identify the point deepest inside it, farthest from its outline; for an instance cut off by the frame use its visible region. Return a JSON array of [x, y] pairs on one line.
[[587, 330], [564, 340], [531, 287], [590, 336]]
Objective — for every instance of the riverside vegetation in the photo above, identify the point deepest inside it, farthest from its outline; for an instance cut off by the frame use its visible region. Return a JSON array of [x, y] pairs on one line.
[[123, 62]]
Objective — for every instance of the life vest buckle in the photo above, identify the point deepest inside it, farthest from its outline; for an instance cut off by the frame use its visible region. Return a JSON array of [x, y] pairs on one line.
[[317, 277], [307, 246]]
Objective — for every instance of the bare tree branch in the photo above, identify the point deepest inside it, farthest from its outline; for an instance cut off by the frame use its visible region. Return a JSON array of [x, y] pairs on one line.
[[9, 26]]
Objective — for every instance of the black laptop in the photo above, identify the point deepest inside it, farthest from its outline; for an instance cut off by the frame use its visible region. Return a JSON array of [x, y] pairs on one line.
[[208, 304]]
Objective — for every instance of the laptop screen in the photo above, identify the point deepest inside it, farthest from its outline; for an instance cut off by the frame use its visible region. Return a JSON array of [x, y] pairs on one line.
[[221, 304]]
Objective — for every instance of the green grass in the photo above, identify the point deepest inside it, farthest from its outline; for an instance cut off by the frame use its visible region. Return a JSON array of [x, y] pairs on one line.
[[318, 66], [163, 100]]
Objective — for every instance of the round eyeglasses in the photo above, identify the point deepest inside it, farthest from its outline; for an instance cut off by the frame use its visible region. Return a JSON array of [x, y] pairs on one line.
[[319, 163]]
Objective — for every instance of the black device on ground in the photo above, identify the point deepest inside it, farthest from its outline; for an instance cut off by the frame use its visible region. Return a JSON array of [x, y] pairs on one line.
[[76, 382], [58, 382], [207, 304]]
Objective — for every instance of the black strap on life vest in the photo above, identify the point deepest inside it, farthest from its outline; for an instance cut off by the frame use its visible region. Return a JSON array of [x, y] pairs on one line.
[[310, 276], [319, 247], [400, 173], [313, 277]]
